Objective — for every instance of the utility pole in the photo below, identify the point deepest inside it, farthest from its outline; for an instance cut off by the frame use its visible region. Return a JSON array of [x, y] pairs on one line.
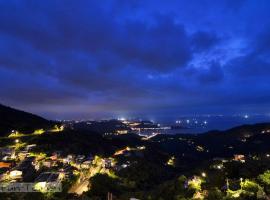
[[109, 196]]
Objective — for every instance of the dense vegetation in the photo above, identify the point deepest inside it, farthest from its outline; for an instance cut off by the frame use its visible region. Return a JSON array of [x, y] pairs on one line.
[[149, 175], [12, 119], [168, 167]]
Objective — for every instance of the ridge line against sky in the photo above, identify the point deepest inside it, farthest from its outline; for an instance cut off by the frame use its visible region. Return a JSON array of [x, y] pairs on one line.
[[93, 59]]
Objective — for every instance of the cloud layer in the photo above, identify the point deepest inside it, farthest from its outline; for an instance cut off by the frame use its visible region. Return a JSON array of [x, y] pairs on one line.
[[80, 59]]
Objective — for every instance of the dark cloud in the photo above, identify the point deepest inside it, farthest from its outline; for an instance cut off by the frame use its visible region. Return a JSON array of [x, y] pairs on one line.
[[235, 5], [213, 74], [161, 46], [202, 41], [255, 63], [248, 66], [262, 42], [27, 89], [83, 57]]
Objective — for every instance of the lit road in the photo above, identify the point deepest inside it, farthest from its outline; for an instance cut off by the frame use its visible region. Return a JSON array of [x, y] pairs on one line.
[[83, 184], [79, 188]]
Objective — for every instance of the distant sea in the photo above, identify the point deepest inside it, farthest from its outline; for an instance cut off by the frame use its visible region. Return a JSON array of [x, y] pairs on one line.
[[201, 124]]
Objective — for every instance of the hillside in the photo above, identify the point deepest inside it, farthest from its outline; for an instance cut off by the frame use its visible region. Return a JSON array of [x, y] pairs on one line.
[[13, 119], [128, 165]]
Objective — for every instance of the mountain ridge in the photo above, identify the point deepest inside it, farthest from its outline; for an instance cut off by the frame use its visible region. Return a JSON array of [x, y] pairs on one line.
[[14, 119]]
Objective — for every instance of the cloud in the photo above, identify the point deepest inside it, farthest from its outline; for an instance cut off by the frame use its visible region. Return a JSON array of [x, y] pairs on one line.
[[262, 42], [213, 74], [34, 89], [159, 46], [255, 63], [235, 5], [143, 56], [202, 41]]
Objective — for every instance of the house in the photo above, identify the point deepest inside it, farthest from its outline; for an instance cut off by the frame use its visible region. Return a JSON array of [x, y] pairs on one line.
[[86, 164], [49, 163], [24, 170], [239, 157], [6, 151], [56, 155], [68, 159], [108, 163], [121, 131], [80, 157], [47, 181], [6, 164], [16, 173], [67, 171], [193, 182], [48, 177], [23, 154], [53, 157], [79, 160]]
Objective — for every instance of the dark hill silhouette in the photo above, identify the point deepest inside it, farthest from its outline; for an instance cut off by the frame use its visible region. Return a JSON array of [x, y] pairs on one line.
[[245, 139], [13, 119]]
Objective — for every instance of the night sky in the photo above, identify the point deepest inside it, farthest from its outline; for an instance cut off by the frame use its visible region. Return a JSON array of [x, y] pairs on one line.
[[96, 59]]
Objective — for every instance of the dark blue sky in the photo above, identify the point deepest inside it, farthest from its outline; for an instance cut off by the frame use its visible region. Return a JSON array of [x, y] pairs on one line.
[[78, 59]]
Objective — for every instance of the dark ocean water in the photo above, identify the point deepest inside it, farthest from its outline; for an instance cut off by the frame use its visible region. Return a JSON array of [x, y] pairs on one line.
[[201, 124]]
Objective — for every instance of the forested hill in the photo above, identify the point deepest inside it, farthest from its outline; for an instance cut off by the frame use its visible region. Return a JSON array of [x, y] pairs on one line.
[[13, 119]]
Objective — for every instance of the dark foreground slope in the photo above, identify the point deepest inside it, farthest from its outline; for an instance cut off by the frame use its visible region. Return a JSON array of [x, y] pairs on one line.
[[13, 119]]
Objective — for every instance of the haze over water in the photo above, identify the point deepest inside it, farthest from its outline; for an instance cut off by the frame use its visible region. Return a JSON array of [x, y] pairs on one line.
[[208, 123]]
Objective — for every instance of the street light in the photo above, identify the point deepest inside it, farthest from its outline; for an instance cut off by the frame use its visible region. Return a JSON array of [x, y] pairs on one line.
[[241, 182], [203, 174]]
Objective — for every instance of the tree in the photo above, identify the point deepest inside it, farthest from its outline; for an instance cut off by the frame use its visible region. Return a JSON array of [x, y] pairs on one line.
[[101, 184], [251, 190], [264, 179], [214, 194]]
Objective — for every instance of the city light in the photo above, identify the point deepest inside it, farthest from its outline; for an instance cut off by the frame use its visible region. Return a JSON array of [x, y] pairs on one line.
[[156, 100]]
